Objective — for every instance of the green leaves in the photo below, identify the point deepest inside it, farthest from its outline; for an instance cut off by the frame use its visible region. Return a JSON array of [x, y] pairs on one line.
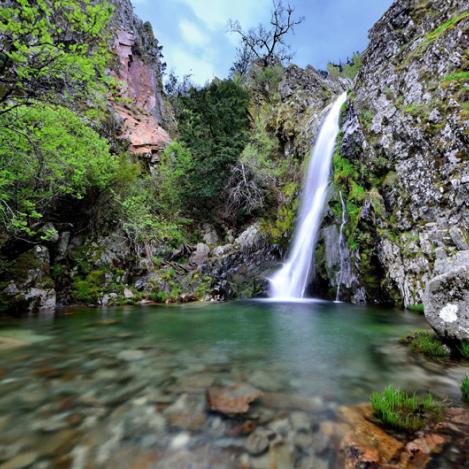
[[47, 153], [52, 47]]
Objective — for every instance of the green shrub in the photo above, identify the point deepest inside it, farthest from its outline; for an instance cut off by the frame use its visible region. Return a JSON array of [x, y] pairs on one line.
[[173, 179], [401, 411], [91, 288], [48, 153], [429, 345], [417, 308], [464, 349], [465, 388]]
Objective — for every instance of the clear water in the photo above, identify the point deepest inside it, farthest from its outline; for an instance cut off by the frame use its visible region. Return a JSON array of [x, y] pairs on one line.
[[72, 381], [292, 279]]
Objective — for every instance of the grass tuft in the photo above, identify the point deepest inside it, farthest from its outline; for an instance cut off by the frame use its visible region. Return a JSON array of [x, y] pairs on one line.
[[465, 389], [428, 344], [417, 308], [402, 411], [464, 349]]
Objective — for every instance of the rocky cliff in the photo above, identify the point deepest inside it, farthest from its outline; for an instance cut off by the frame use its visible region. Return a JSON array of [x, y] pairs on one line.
[[139, 68], [402, 161]]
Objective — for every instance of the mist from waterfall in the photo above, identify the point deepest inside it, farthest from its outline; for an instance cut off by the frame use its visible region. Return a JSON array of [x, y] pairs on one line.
[[290, 282]]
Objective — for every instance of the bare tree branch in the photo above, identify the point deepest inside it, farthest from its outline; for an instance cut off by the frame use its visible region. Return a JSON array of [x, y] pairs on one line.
[[266, 44]]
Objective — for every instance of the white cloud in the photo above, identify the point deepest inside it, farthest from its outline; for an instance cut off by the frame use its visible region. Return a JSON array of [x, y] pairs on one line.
[[199, 65], [192, 34], [216, 13]]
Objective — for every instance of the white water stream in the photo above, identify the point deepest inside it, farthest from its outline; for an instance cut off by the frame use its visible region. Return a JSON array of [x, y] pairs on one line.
[[290, 282]]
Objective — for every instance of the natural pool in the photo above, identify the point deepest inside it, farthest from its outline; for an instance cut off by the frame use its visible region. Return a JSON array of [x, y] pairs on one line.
[[127, 387]]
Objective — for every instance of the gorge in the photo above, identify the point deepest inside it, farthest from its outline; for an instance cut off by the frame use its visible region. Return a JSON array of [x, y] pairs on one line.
[[268, 270]]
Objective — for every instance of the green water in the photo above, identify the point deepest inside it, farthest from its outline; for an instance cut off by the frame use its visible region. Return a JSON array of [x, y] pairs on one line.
[[72, 365]]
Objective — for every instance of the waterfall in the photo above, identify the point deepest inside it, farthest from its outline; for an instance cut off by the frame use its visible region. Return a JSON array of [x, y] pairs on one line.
[[341, 244], [290, 282]]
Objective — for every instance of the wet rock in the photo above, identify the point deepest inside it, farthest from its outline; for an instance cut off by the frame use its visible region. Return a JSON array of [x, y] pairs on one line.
[[20, 461], [187, 413], [130, 355], [258, 442], [266, 381], [180, 441], [128, 294], [284, 401], [366, 444], [232, 400], [278, 457], [59, 443], [300, 421], [420, 451]]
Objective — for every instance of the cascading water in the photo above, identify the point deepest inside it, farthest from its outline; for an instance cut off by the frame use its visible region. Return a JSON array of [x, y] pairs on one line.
[[290, 282]]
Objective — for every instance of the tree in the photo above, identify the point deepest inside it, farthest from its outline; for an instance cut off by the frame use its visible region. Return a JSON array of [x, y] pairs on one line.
[[213, 125], [52, 48], [266, 44], [47, 154]]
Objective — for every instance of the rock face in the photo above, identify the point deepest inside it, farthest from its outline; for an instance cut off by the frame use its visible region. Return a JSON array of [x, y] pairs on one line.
[[139, 69], [401, 164], [446, 301], [31, 288]]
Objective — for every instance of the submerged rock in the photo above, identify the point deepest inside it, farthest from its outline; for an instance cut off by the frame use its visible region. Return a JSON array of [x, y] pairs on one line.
[[232, 400]]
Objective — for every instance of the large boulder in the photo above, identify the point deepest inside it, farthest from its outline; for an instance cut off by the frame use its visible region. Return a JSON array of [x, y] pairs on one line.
[[26, 285], [446, 303]]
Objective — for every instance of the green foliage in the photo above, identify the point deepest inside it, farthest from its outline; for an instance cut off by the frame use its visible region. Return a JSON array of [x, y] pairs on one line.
[[348, 70], [463, 349], [457, 76], [253, 178], [91, 288], [417, 308], [405, 412], [141, 219], [50, 48], [213, 125], [48, 153], [175, 169], [281, 227], [266, 80], [429, 345], [429, 38], [415, 109], [465, 389]]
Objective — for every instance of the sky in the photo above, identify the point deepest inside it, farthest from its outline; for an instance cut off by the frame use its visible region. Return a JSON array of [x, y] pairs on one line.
[[196, 41]]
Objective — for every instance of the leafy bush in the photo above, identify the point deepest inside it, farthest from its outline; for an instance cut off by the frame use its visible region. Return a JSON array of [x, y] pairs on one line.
[[465, 388], [173, 179], [464, 349], [48, 153], [52, 49], [347, 70], [89, 289], [429, 345], [404, 412]]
